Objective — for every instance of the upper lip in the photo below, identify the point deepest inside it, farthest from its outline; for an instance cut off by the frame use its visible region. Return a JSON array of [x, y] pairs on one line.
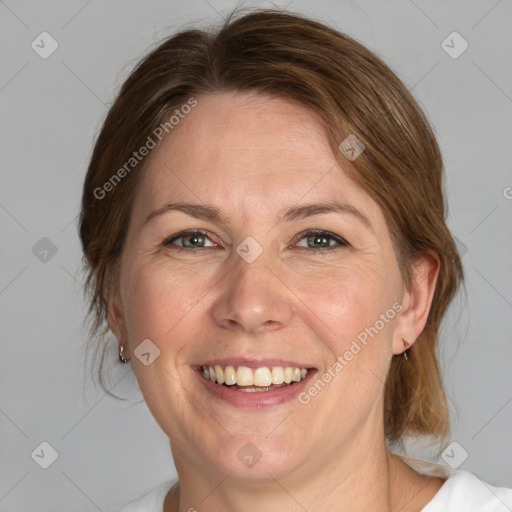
[[254, 363]]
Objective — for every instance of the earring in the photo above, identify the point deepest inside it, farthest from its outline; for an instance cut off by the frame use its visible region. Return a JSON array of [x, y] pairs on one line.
[[406, 345], [121, 354]]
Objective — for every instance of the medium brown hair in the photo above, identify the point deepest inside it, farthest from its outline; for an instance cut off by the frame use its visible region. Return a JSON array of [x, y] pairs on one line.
[[289, 56]]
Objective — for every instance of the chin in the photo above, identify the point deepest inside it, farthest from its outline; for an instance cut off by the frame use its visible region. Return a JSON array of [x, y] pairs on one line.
[[255, 459]]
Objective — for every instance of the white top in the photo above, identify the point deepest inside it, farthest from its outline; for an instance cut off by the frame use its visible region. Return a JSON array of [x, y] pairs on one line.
[[461, 492]]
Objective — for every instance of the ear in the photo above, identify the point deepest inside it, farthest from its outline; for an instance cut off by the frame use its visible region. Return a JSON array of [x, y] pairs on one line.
[[115, 309], [416, 301]]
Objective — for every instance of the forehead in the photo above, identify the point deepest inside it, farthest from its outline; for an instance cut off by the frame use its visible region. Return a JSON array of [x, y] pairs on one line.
[[247, 151]]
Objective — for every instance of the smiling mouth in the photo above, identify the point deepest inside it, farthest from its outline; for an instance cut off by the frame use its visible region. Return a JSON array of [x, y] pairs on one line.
[[243, 378]]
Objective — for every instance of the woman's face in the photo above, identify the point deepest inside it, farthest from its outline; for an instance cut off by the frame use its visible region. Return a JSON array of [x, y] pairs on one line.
[[257, 289]]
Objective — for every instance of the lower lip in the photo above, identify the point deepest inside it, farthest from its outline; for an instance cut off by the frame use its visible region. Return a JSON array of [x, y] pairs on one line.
[[255, 399]]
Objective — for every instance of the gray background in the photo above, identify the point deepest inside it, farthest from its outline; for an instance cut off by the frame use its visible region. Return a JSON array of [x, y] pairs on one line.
[[110, 451]]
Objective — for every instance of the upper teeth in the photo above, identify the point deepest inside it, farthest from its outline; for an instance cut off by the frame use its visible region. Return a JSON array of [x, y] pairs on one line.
[[245, 376]]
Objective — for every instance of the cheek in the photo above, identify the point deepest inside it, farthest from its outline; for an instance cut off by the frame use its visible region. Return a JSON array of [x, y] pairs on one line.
[[345, 301], [156, 299], [351, 310], [166, 300]]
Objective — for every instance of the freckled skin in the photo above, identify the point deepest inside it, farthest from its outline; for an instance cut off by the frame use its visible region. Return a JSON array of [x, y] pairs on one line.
[[254, 157]]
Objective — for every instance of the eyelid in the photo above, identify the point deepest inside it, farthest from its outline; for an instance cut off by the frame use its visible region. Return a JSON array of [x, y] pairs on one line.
[[169, 239], [341, 242]]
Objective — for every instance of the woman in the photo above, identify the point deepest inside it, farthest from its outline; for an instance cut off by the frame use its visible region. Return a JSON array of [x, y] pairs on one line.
[[263, 225]]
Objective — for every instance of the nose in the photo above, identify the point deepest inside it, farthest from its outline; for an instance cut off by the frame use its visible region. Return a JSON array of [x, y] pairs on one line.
[[253, 298]]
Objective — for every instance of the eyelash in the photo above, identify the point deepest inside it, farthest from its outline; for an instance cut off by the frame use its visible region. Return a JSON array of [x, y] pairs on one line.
[[342, 243]]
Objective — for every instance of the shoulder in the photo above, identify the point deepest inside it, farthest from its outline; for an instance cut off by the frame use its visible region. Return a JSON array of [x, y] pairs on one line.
[[465, 492], [151, 501], [462, 491]]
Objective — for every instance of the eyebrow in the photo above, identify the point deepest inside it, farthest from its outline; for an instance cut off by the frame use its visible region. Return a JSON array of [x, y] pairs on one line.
[[211, 213]]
